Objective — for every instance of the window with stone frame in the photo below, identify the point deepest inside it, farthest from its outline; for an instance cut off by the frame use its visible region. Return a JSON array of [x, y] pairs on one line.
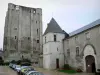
[[77, 51], [68, 52], [76, 38], [87, 35]]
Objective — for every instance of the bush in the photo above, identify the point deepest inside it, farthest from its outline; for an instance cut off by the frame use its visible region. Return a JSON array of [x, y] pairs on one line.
[[6, 63], [67, 67], [26, 60]]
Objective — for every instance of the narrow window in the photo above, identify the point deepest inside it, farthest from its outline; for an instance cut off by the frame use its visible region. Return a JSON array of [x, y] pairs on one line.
[[15, 37], [45, 39], [28, 38], [37, 41], [37, 31], [22, 56], [36, 22], [55, 38], [68, 52], [77, 51], [57, 49]]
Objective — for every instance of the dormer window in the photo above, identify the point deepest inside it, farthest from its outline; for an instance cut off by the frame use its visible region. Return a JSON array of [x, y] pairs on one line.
[[55, 38]]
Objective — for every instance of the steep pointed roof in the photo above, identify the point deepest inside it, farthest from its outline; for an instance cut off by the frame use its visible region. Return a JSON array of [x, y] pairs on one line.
[[53, 27]]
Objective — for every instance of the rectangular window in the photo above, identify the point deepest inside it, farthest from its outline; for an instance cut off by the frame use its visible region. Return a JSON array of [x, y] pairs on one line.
[[37, 41], [76, 38], [68, 52], [77, 51], [28, 38], [15, 37], [55, 38], [37, 31]]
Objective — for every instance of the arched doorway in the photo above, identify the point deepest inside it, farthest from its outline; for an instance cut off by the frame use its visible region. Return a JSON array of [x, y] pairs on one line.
[[90, 64], [89, 58]]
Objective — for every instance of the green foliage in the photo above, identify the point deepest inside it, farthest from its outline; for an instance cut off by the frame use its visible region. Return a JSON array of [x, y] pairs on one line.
[[67, 67], [6, 63], [68, 71]]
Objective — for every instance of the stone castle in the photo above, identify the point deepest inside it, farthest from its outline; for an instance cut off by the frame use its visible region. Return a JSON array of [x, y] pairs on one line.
[[23, 33], [23, 39]]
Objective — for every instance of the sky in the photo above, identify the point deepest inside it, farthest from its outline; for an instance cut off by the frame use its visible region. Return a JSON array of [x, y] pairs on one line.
[[69, 14]]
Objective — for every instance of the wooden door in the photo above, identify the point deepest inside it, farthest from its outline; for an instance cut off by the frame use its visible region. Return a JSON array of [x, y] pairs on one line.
[[57, 63], [90, 64]]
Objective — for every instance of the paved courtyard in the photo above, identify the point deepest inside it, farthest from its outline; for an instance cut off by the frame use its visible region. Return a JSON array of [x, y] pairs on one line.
[[4, 70], [55, 72]]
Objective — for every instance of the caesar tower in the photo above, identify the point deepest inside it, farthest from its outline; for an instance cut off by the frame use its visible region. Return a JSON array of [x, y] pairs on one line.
[[23, 33]]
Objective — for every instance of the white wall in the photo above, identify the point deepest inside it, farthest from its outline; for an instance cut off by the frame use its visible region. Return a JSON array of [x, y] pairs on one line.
[[50, 51]]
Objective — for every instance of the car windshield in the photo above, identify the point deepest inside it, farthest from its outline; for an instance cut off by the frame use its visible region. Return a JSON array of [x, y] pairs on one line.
[[35, 73]]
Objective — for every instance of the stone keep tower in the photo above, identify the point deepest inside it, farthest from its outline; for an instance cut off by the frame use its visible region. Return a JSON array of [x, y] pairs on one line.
[[23, 33]]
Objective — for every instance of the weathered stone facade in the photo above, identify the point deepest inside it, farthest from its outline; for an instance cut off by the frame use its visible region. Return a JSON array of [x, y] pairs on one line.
[[23, 33], [88, 42], [79, 49]]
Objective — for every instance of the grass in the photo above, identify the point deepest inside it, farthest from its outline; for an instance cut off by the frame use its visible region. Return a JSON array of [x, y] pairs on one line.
[[68, 71]]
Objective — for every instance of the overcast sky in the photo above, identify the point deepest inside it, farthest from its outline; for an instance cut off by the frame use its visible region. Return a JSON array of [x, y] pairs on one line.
[[70, 14]]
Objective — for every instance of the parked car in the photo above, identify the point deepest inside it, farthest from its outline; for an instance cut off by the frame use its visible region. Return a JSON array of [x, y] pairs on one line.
[[14, 66], [25, 70], [10, 65], [21, 65], [17, 67], [34, 73]]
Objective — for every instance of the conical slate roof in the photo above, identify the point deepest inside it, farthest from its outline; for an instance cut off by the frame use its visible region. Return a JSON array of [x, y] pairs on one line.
[[53, 27]]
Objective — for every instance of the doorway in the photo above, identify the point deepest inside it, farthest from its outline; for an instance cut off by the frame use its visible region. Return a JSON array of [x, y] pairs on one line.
[[90, 64], [57, 63]]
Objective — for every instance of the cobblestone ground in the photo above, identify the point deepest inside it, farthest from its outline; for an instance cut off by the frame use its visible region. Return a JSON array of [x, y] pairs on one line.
[[4, 70], [55, 72]]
